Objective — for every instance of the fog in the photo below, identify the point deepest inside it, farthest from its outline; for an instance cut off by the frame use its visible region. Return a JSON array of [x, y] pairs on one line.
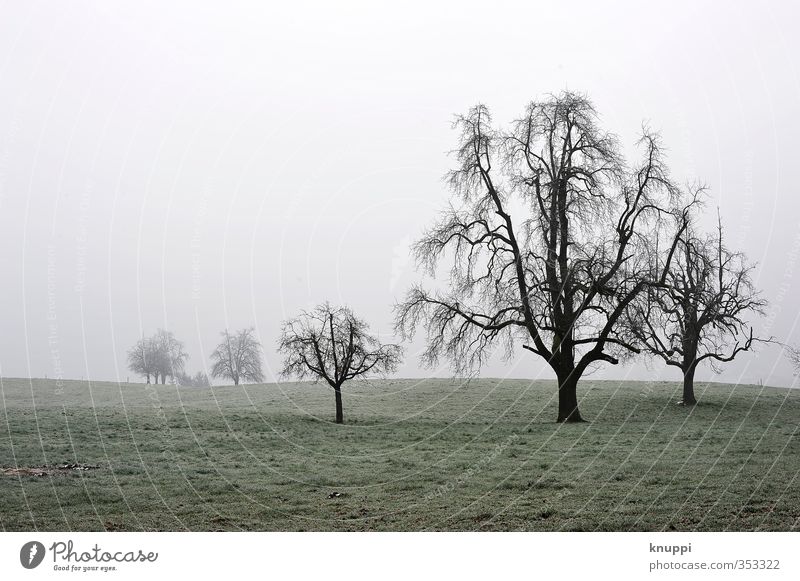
[[194, 166]]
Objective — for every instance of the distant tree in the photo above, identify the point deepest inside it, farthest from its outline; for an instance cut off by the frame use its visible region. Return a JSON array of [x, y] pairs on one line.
[[159, 356], [170, 355], [199, 379], [182, 378], [548, 233], [700, 314], [142, 359], [332, 344], [238, 357]]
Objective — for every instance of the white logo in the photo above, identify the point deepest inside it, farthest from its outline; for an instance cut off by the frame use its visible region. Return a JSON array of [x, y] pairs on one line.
[[31, 554]]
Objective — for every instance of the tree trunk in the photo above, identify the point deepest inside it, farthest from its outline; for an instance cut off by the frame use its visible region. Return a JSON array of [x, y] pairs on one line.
[[568, 397], [688, 386], [236, 380], [148, 378], [339, 413], [163, 378]]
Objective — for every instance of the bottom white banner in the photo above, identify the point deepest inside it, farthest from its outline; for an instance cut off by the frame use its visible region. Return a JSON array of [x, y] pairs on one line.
[[355, 556]]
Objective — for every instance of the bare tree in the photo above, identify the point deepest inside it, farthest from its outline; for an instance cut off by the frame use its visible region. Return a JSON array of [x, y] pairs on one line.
[[238, 357], [160, 356], [332, 344], [560, 276], [700, 313], [142, 358], [170, 355]]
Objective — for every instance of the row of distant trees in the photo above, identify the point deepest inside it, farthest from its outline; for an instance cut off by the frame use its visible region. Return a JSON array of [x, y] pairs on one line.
[[327, 344], [162, 357]]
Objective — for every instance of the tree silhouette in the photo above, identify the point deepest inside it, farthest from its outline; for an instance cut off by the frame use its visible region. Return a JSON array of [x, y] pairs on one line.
[[170, 355], [700, 313], [238, 357], [159, 356], [142, 359], [332, 344]]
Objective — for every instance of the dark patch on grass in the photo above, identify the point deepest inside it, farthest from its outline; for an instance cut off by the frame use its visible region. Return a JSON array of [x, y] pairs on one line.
[[39, 471]]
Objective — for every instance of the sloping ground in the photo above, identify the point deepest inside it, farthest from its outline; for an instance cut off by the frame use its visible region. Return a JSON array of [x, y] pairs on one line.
[[414, 455]]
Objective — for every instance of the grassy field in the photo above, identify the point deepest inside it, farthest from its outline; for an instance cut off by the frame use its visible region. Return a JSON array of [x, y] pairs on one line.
[[413, 455]]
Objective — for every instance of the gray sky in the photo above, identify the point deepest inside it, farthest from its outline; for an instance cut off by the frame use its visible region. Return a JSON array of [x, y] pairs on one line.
[[196, 166]]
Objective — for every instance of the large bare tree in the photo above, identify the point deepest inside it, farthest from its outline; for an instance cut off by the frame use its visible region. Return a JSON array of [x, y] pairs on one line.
[[549, 233], [238, 357], [701, 312], [332, 344]]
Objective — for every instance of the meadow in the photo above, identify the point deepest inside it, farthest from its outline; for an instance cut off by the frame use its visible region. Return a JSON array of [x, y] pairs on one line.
[[413, 455]]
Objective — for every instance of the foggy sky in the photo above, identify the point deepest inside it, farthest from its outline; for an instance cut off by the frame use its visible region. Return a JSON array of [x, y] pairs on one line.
[[196, 167]]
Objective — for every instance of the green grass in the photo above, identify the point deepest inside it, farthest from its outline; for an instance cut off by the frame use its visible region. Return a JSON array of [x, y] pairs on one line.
[[413, 455]]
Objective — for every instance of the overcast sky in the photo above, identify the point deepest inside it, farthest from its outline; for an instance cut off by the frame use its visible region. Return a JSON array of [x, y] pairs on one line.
[[196, 166]]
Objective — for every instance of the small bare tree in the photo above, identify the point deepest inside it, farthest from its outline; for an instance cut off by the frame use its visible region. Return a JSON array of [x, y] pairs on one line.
[[700, 313], [332, 344], [549, 233], [238, 357]]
